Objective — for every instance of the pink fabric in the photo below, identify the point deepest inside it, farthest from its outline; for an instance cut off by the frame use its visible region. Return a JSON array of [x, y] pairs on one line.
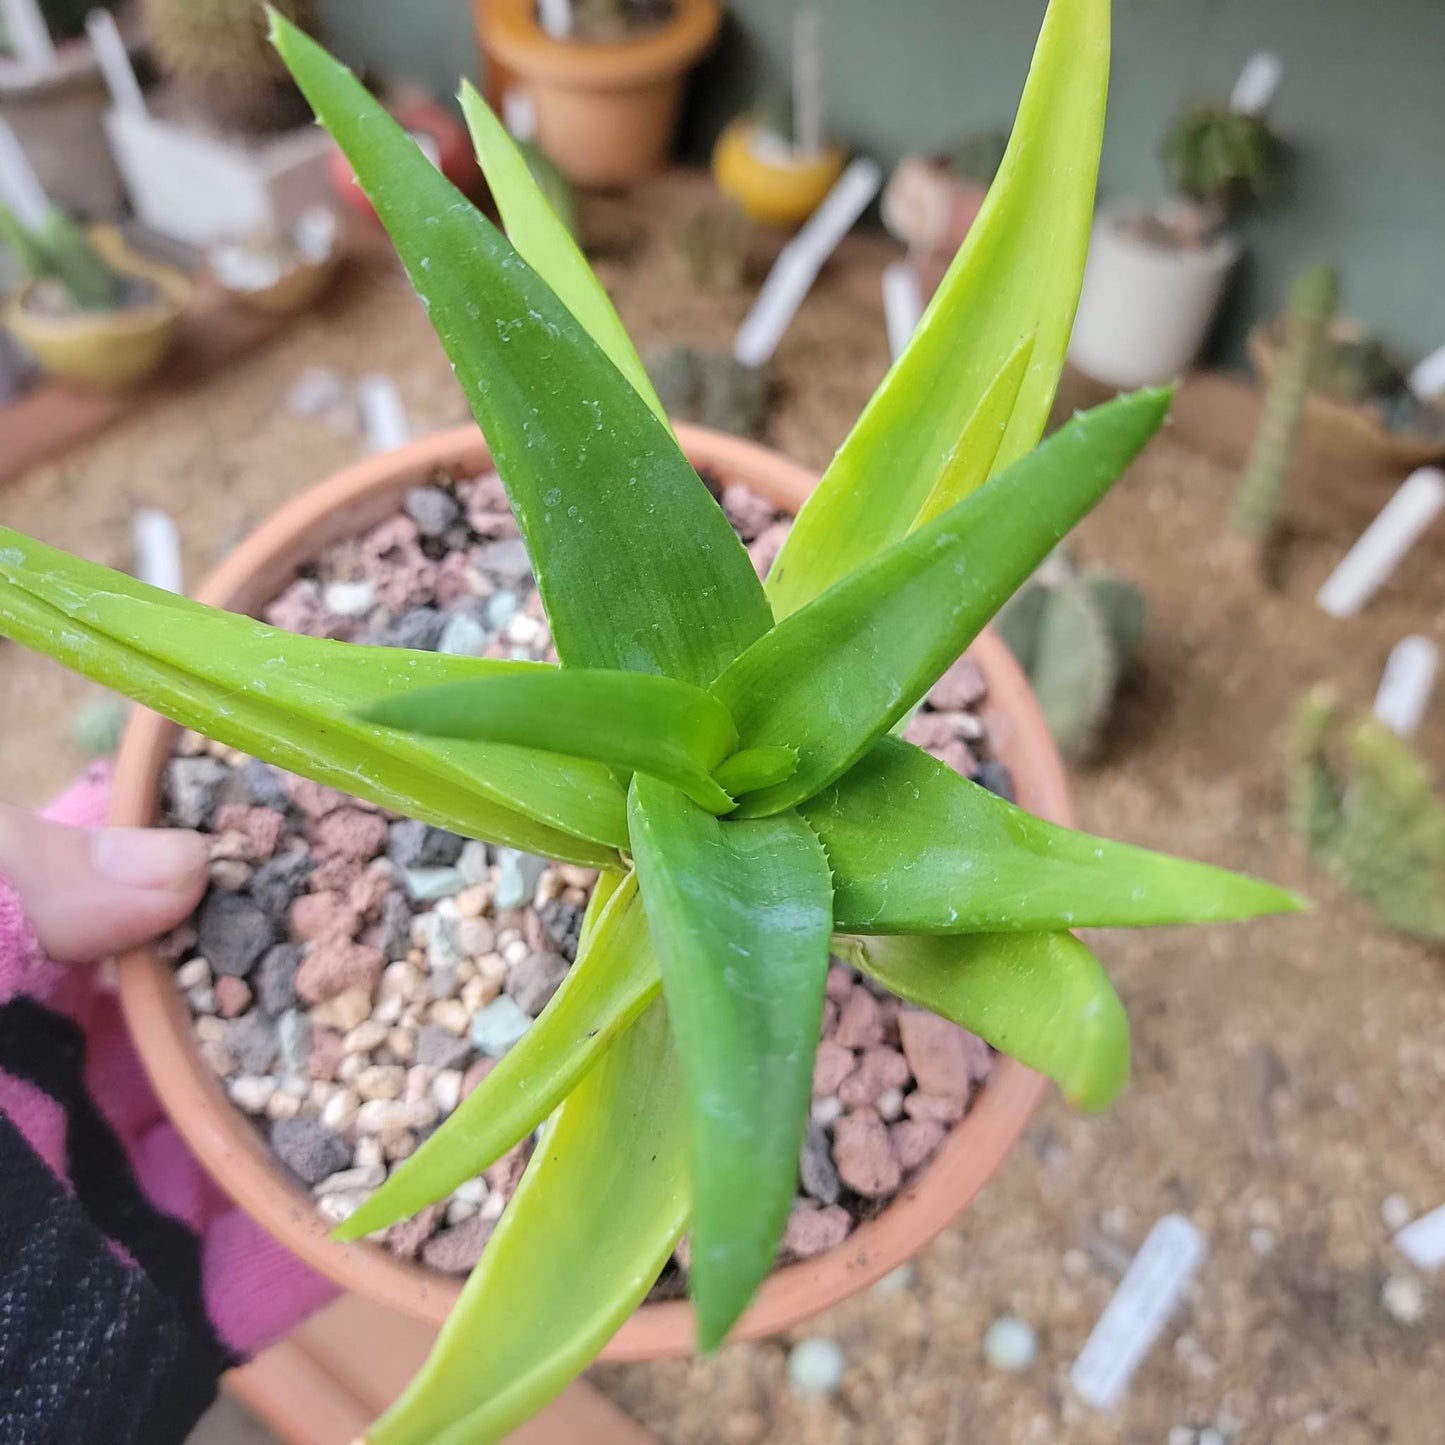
[[255, 1291]]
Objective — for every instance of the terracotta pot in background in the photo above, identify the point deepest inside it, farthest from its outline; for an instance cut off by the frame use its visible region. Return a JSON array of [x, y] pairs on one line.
[[605, 110], [235, 1153]]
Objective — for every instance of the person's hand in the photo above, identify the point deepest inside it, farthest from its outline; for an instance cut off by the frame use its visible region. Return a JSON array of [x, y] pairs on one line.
[[127, 1279]]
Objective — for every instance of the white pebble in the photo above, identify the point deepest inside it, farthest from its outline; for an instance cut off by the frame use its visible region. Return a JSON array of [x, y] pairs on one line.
[[523, 629], [890, 1104], [474, 1190], [378, 1114], [381, 1081], [402, 1043], [251, 1092], [389, 1010], [446, 1090], [209, 1031], [397, 1144], [451, 1014], [367, 1154], [516, 950], [1182, 1435], [477, 993], [896, 1281], [340, 1110], [815, 1366], [418, 1082], [336, 1207], [282, 1106], [401, 978], [1010, 1344], [193, 974], [351, 1068], [475, 936], [1395, 1212], [460, 1210], [1210, 1436], [365, 1037], [1261, 1240], [202, 1000], [1403, 1299], [492, 1206], [349, 599], [827, 1110], [345, 1181]]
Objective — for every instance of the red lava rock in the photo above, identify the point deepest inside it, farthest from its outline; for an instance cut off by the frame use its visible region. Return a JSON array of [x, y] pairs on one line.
[[959, 757], [368, 892], [315, 800], [833, 1064], [506, 1173], [960, 688], [830, 1017], [815, 1231], [349, 833], [333, 966], [327, 1051], [879, 1070], [452, 583], [485, 491], [839, 985], [936, 1107], [888, 1011], [938, 1053], [335, 875], [406, 1239], [764, 549], [860, 1021], [930, 730], [300, 609], [392, 561], [263, 828], [476, 1074], [863, 1154], [233, 996], [914, 1141], [457, 1250], [749, 513], [535, 933], [326, 915]]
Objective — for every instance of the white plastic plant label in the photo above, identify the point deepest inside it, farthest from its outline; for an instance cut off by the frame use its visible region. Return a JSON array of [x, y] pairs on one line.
[[1147, 1295], [1422, 1241], [1406, 684]]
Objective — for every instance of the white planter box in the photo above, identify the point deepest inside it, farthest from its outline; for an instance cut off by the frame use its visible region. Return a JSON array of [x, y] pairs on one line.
[[202, 188], [1145, 311]]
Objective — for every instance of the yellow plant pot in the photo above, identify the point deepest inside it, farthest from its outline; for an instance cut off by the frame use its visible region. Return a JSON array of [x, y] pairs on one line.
[[772, 190], [106, 350]]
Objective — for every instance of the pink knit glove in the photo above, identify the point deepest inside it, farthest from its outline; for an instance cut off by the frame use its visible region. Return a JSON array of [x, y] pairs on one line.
[[187, 1265]]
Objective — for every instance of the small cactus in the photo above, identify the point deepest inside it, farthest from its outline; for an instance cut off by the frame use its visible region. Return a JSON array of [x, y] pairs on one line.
[[220, 54], [59, 250], [714, 246], [1075, 635], [1260, 498], [711, 388], [1375, 823]]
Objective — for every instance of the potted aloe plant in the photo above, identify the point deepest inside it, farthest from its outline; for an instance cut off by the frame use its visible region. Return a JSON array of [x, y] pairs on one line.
[[723, 751]]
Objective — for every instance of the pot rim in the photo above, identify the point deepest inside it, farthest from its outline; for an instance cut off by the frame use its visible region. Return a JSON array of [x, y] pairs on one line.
[[232, 1149], [511, 35]]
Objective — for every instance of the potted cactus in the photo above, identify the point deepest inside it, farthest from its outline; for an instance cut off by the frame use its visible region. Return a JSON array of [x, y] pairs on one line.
[[604, 77], [91, 312], [1156, 274], [222, 149], [721, 750]]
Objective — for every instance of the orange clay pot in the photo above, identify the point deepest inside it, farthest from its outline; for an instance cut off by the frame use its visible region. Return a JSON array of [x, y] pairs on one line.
[[605, 110], [235, 1153]]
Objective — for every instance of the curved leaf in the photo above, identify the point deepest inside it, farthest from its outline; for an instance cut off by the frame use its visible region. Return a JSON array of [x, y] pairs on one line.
[[637, 565], [1041, 998], [1018, 272], [832, 678], [741, 915], [915, 848], [632, 721], [547, 246], [286, 699], [614, 979], [549, 1293]]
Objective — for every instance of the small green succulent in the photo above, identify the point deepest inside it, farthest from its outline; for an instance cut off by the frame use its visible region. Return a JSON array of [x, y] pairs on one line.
[[1224, 160], [59, 250], [723, 752]]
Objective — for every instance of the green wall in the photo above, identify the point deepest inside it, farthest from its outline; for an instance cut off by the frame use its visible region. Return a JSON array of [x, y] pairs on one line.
[[1363, 97]]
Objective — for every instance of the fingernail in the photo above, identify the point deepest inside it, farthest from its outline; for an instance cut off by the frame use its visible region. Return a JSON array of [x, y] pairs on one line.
[[147, 857]]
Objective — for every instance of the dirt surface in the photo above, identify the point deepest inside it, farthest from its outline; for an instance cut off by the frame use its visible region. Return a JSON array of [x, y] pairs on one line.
[[1288, 1073]]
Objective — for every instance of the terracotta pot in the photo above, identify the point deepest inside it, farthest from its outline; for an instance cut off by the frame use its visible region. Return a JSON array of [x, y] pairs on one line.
[[605, 110], [106, 350], [234, 1152]]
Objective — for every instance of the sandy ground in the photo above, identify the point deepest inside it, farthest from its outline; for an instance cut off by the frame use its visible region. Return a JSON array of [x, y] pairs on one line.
[[1288, 1074]]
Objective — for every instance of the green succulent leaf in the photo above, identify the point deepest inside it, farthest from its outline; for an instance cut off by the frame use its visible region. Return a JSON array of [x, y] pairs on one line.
[[754, 768], [971, 463], [741, 916], [633, 721], [1018, 272], [547, 245], [637, 565], [549, 1293], [1041, 998], [612, 982], [286, 699], [832, 678], [915, 848]]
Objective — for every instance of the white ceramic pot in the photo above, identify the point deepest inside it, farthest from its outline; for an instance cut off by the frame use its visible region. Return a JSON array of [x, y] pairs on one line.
[[1145, 310]]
